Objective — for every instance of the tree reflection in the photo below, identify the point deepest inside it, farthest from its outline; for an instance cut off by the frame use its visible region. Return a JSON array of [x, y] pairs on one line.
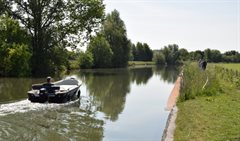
[[15, 88], [109, 87], [168, 73], [109, 90], [141, 75]]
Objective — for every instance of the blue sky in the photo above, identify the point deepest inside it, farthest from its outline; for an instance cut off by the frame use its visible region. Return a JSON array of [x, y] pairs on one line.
[[192, 24]]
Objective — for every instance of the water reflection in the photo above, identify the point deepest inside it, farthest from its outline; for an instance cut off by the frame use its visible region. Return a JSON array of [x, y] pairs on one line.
[[12, 89], [109, 88], [168, 73], [107, 91], [141, 75]]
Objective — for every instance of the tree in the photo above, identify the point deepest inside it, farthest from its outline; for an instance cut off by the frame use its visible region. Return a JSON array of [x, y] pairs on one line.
[[14, 49], [140, 55], [86, 60], [102, 53], [171, 54], [183, 54], [231, 56], [55, 23], [148, 52], [114, 31], [132, 51], [212, 55], [159, 58], [142, 52], [196, 55]]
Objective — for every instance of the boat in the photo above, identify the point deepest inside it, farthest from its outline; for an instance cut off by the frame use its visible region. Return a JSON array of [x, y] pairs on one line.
[[58, 92]]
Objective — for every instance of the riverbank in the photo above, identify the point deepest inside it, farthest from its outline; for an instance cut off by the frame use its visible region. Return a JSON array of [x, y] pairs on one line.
[[136, 63], [210, 113], [168, 134], [74, 64]]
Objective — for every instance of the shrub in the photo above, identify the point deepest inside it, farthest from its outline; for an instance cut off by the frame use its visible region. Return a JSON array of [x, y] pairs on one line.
[[159, 58], [194, 80], [101, 51], [85, 60]]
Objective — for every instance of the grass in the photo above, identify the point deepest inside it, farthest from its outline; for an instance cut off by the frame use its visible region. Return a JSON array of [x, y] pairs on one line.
[[133, 63], [232, 66], [209, 117], [74, 65]]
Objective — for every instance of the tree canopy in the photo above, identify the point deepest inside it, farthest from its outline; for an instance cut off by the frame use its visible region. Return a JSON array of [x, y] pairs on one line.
[[115, 33], [141, 52], [14, 49], [55, 23], [102, 53]]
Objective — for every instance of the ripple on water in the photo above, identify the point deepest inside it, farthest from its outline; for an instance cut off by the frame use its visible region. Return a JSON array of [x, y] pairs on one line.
[[26, 106]]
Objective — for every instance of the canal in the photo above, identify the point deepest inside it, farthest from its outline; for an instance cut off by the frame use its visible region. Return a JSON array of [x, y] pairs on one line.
[[115, 104]]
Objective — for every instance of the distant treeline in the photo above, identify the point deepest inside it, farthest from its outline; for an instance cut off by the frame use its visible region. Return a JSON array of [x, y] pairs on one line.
[[171, 54]]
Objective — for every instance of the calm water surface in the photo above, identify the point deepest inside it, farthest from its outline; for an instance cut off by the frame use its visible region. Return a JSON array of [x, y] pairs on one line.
[[115, 104]]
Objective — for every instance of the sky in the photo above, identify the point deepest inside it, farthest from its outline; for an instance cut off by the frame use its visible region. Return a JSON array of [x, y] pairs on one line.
[[191, 24]]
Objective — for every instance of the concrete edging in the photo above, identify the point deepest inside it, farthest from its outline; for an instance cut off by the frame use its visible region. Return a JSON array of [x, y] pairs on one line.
[[168, 133]]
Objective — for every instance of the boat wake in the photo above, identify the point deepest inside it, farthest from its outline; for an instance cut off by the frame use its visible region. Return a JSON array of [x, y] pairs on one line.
[[23, 106], [26, 106]]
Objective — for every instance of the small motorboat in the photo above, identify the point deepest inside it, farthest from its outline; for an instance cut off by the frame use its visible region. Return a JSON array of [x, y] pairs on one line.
[[58, 92]]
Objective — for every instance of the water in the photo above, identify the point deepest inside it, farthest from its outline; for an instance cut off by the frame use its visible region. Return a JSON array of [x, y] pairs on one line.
[[115, 105]]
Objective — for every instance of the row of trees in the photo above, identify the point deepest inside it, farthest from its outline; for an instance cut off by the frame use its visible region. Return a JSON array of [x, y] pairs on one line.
[[172, 55], [110, 47], [34, 35], [141, 52]]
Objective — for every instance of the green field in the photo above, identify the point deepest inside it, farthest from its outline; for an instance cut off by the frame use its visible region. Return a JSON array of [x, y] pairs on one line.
[[213, 113], [229, 66]]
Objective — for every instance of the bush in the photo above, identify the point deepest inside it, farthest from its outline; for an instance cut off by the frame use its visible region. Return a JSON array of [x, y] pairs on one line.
[[194, 79], [159, 58], [85, 60], [16, 60], [14, 49], [101, 51]]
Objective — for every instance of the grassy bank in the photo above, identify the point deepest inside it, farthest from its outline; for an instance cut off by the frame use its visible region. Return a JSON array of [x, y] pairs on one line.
[[212, 113], [133, 63], [75, 65], [229, 66]]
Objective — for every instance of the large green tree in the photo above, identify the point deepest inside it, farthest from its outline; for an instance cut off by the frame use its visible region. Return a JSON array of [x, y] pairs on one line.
[[212, 55], [102, 53], [184, 55], [14, 48], [142, 52], [171, 53], [55, 23], [114, 31]]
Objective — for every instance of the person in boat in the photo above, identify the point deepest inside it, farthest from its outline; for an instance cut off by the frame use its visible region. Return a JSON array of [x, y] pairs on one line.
[[49, 81], [48, 85]]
